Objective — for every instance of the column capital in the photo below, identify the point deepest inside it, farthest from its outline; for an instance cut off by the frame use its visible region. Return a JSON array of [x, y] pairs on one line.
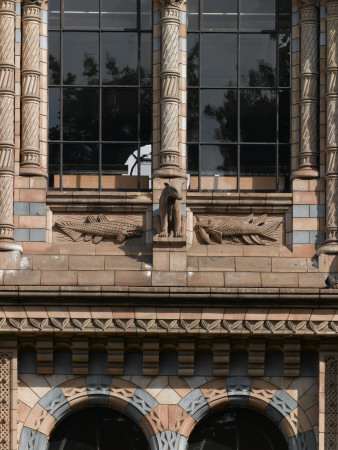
[[32, 3], [309, 3], [170, 3]]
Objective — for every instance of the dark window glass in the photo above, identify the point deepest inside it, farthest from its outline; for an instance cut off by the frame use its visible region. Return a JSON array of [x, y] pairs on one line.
[[168, 363], [257, 14], [218, 159], [238, 74], [193, 59], [146, 12], [236, 429], [80, 58], [80, 114], [119, 121], [258, 160], [54, 114], [54, 13], [120, 58], [97, 429], [100, 94], [219, 115], [193, 15], [81, 13], [218, 60], [284, 60], [80, 158], [121, 14], [258, 115], [258, 60], [62, 363], [133, 363], [219, 14], [54, 60]]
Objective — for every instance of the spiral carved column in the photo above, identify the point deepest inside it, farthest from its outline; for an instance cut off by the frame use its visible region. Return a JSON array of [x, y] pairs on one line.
[[7, 26], [331, 244], [308, 154], [170, 77], [30, 96]]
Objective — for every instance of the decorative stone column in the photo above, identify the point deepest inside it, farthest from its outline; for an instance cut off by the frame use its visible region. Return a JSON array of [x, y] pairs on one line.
[[5, 398], [30, 96], [170, 77], [331, 244], [7, 26], [309, 76]]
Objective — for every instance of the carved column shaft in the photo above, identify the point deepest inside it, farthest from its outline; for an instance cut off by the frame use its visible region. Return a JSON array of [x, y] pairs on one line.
[[308, 154], [331, 245], [7, 27], [170, 76], [30, 81]]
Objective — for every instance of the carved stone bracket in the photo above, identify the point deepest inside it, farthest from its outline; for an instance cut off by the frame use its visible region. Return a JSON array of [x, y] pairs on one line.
[[30, 82], [331, 244], [308, 154], [170, 77], [5, 402], [331, 390]]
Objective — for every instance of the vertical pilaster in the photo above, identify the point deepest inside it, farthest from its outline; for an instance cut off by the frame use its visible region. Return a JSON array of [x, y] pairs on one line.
[[5, 401], [7, 27], [309, 76], [331, 243], [30, 86]]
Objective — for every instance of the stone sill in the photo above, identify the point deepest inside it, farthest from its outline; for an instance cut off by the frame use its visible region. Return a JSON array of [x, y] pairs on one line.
[[79, 200], [239, 199], [218, 296]]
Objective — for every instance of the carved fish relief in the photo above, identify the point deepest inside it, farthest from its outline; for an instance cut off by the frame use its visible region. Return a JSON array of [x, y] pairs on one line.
[[99, 228], [238, 230]]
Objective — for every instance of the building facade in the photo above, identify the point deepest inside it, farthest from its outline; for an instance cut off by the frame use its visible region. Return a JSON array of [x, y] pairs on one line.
[[168, 224]]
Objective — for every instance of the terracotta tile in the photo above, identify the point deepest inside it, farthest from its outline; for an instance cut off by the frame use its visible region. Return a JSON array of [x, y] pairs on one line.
[[179, 385], [234, 313], [246, 264], [132, 278], [92, 263], [32, 195], [207, 279], [256, 314], [279, 280], [312, 280], [191, 313], [289, 265], [278, 314], [304, 250], [242, 279], [123, 312], [168, 313], [96, 278], [48, 262], [38, 312], [23, 411], [22, 277], [300, 314], [58, 278], [169, 278]]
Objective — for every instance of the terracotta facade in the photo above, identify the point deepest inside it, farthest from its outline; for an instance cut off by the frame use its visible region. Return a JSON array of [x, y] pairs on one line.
[[168, 329]]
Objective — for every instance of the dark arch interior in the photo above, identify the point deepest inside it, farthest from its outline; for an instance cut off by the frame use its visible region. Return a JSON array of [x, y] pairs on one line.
[[97, 429], [236, 429]]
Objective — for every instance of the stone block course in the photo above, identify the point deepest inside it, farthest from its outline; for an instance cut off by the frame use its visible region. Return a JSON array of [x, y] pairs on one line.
[[50, 262], [58, 278], [82, 263], [257, 264]]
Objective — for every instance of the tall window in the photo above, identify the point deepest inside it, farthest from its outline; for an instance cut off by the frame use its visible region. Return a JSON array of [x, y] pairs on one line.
[[239, 94], [100, 94]]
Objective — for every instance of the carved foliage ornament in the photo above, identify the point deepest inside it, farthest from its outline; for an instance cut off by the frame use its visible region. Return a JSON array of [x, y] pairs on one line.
[[32, 2], [167, 3], [5, 413], [305, 3]]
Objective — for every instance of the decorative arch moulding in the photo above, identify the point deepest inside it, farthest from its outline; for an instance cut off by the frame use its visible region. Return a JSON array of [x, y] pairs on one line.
[[166, 426]]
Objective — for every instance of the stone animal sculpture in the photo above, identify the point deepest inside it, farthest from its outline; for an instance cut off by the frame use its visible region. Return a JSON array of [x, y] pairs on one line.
[[99, 228], [238, 230], [170, 209]]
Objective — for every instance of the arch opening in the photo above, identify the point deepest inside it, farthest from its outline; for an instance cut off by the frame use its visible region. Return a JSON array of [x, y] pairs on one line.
[[97, 428], [236, 429]]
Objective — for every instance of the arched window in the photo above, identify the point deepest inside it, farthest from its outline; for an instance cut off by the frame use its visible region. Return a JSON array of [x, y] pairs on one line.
[[239, 83], [100, 94], [236, 429], [97, 429]]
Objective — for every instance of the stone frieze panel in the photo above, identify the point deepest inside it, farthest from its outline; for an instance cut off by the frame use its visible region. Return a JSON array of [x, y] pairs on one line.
[[96, 229]]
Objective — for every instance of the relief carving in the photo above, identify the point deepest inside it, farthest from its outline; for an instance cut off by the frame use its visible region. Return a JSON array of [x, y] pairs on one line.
[[5, 397], [170, 209], [331, 404], [96, 229], [168, 3], [238, 230]]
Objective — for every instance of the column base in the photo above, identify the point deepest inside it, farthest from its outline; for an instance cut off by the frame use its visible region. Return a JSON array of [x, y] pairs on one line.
[[305, 174], [170, 172], [328, 249], [33, 172], [10, 247]]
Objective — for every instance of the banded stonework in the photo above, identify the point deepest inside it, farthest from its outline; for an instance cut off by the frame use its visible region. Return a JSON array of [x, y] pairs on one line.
[[331, 244], [30, 82], [331, 404], [170, 77], [7, 24], [5, 402], [308, 155]]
